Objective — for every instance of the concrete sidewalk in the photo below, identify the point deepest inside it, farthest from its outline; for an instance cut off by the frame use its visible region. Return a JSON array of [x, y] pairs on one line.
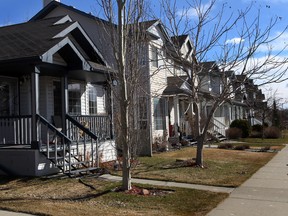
[[7, 213], [170, 184], [264, 194]]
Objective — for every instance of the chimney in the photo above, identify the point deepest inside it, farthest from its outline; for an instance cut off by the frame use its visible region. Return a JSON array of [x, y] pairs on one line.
[[46, 2]]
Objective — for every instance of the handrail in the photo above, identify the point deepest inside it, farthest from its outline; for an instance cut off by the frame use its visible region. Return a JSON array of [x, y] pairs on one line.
[[53, 128], [219, 127], [219, 123], [81, 127]]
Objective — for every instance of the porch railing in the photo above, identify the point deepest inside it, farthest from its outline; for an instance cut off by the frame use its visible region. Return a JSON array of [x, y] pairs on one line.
[[84, 140], [55, 145], [101, 126], [219, 126], [15, 129]]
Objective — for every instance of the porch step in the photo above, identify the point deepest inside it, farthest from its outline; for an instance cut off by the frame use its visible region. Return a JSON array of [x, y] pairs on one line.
[[77, 163], [214, 135], [81, 171], [54, 158]]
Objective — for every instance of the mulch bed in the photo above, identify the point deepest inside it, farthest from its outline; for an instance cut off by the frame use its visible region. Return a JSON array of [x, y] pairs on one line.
[[136, 190]]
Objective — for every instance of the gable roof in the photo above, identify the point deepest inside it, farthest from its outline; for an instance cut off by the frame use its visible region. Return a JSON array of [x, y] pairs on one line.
[[29, 40], [176, 85], [54, 4], [179, 40], [41, 39]]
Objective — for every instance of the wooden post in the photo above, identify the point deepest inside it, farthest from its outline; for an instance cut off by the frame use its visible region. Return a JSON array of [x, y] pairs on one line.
[[35, 107], [176, 115], [64, 105]]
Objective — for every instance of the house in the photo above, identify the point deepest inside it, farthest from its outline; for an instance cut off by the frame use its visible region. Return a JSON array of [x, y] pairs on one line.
[[159, 112], [240, 102], [57, 105], [55, 111]]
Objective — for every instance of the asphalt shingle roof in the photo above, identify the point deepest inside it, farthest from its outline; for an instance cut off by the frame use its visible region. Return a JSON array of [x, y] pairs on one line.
[[174, 85], [31, 39]]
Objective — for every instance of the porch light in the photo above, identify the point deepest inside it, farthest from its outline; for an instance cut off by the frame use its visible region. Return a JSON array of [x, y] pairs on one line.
[[114, 82]]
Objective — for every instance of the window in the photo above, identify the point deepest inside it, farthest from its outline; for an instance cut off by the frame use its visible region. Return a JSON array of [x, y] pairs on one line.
[[97, 99], [159, 115], [74, 94], [154, 56], [8, 100], [92, 100], [142, 112], [4, 99]]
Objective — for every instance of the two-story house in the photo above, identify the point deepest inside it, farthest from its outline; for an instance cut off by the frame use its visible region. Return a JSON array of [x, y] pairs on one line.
[[55, 111]]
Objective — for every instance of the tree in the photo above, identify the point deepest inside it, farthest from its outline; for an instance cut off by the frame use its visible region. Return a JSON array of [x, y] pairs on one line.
[[126, 39], [210, 32], [275, 115]]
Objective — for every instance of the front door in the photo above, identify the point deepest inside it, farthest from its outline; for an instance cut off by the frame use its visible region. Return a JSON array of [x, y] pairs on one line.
[[57, 98]]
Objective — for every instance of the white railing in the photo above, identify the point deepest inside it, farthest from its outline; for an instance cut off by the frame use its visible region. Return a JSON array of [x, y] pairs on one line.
[[15, 129], [219, 125]]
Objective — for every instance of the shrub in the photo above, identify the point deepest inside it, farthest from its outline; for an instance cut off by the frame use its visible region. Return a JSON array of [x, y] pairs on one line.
[[234, 133], [265, 148], [241, 147], [242, 125], [225, 146], [257, 128], [272, 133], [256, 134]]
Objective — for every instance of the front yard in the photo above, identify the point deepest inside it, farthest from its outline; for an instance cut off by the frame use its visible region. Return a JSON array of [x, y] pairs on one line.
[[91, 196], [228, 168], [66, 197]]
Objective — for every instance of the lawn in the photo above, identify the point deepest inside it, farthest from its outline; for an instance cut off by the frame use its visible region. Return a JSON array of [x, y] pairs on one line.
[[91, 196], [228, 168]]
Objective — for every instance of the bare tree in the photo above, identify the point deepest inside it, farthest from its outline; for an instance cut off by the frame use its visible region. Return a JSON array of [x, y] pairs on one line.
[[126, 39], [210, 32]]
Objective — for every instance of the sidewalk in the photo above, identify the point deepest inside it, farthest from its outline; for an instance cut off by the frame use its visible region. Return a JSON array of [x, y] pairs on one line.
[[171, 184], [7, 213], [264, 194]]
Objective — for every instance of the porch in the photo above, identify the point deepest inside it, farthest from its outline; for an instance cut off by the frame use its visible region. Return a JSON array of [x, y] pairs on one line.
[[78, 149]]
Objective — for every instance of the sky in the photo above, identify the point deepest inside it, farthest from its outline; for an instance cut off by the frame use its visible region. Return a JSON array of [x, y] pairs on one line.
[[17, 11]]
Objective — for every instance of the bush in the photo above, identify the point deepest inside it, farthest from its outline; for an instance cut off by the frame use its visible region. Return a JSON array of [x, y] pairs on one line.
[[225, 146], [242, 125], [257, 131], [256, 134], [241, 147], [257, 128], [272, 133], [234, 133]]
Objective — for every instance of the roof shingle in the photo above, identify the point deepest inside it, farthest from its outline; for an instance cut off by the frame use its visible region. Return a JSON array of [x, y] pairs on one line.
[[30, 39]]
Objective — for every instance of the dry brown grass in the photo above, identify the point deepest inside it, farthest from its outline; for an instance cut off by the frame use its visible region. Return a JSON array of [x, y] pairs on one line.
[[222, 167], [65, 197], [61, 197]]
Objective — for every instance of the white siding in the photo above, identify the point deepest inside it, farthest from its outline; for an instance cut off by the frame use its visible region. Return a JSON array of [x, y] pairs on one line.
[[101, 100]]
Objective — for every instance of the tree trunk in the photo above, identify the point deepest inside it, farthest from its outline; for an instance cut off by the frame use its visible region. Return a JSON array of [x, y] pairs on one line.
[[126, 171], [199, 153], [124, 106]]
